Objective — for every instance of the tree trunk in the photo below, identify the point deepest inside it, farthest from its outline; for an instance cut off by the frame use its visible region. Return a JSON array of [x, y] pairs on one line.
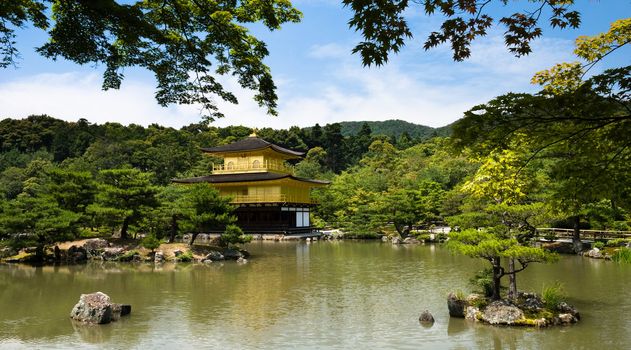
[[399, 230], [39, 252], [173, 228], [193, 238], [576, 235], [512, 280], [497, 275], [124, 228]]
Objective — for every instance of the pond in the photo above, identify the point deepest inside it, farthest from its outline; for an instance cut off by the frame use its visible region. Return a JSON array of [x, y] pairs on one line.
[[337, 295]]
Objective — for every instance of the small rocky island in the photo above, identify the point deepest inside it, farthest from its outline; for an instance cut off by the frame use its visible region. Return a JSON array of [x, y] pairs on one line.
[[528, 309], [96, 308]]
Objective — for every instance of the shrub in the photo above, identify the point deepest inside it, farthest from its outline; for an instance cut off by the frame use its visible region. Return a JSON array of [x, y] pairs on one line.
[[599, 245], [150, 242], [553, 295], [622, 255], [233, 235], [186, 257], [128, 256]]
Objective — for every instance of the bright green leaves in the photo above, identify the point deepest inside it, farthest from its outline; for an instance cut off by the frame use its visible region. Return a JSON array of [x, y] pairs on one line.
[[560, 79], [598, 46], [566, 78]]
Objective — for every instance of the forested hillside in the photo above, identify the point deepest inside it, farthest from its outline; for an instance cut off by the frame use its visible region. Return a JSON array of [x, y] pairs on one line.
[[396, 127]]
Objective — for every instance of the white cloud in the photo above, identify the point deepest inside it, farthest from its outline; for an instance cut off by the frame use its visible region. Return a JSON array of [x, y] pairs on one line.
[[421, 87], [75, 95]]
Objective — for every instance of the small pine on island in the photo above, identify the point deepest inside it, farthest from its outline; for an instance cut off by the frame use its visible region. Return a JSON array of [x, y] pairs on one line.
[[269, 198]]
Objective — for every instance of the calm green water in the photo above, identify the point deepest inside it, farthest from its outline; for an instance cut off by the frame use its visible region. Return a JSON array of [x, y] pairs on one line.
[[338, 295]]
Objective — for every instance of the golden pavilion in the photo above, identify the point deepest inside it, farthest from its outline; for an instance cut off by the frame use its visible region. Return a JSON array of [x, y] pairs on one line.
[[269, 198]]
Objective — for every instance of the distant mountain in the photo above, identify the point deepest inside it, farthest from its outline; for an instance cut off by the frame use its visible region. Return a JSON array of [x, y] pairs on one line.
[[396, 127]]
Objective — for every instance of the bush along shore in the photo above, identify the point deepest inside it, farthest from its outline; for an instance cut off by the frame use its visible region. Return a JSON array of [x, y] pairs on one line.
[[81, 251]]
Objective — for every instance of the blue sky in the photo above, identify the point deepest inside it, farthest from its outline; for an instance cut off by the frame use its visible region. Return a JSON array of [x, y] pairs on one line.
[[318, 79]]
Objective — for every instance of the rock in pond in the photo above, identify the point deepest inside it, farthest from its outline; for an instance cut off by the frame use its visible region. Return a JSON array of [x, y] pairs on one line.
[[501, 312], [232, 254], [456, 305], [97, 308], [595, 253], [158, 258], [214, 256], [411, 240], [426, 318]]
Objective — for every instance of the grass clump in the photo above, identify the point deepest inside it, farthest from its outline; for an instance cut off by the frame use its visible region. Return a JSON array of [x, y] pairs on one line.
[[618, 242], [186, 257], [622, 255], [553, 295], [128, 256]]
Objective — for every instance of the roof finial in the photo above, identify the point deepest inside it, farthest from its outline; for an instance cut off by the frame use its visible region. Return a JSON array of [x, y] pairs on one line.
[[253, 134]]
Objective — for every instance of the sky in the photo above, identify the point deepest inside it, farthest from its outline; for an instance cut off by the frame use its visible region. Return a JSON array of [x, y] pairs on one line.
[[318, 79]]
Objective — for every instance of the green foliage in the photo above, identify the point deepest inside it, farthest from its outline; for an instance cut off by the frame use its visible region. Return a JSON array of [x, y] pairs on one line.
[[186, 257], [36, 220], [124, 196], [483, 279], [599, 245], [174, 40], [385, 28], [233, 236], [553, 295], [150, 242], [617, 242], [622, 255], [129, 255]]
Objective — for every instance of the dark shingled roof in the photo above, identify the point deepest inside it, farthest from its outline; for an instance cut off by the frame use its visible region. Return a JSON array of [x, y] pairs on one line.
[[242, 177], [250, 144]]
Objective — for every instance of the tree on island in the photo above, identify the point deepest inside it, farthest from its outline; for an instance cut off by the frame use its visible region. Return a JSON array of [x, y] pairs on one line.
[[124, 196], [494, 247]]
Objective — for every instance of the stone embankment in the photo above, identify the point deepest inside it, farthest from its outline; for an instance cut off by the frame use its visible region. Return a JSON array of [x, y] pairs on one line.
[[527, 310]]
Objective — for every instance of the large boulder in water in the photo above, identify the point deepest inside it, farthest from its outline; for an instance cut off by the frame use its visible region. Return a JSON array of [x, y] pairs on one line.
[[456, 305], [502, 312], [97, 308], [93, 308]]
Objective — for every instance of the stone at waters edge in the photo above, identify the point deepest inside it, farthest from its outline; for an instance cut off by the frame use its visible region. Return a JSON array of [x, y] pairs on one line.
[[456, 306], [96, 308]]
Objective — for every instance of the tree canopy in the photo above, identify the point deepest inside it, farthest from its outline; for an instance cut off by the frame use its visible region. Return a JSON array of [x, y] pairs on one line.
[[186, 44], [385, 29]]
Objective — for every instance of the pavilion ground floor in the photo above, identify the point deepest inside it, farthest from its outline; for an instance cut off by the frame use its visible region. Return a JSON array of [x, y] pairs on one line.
[[275, 218]]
